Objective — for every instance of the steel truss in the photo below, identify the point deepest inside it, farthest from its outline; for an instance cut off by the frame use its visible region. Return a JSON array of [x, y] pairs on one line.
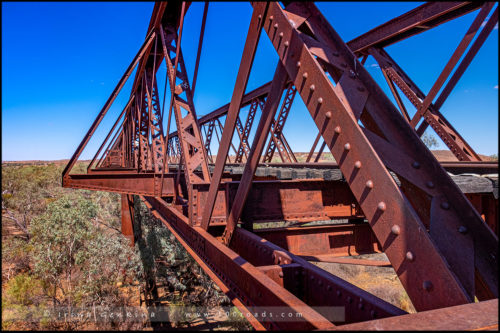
[[396, 197]]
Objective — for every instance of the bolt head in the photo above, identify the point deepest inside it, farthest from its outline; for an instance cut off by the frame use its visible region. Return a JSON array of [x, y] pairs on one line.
[[286, 43], [328, 115], [430, 184], [369, 184], [409, 256], [427, 285], [298, 64], [357, 165], [271, 18], [462, 229], [304, 75], [320, 100], [395, 229], [312, 87], [347, 146], [445, 205], [416, 165], [281, 34], [381, 206], [337, 129], [352, 75], [276, 25]]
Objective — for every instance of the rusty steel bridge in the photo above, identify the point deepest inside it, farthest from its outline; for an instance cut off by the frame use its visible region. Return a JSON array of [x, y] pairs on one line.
[[385, 192]]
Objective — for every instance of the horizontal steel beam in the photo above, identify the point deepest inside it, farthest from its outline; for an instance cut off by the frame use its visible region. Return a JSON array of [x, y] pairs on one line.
[[126, 183], [336, 240]]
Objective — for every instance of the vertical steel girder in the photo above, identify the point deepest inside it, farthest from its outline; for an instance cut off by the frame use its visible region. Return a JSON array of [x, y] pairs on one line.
[[266, 119], [128, 217], [232, 114], [208, 138], [277, 138], [243, 148], [362, 152], [156, 123], [185, 115]]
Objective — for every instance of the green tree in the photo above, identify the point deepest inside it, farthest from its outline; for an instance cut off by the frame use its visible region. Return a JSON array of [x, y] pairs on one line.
[[79, 262], [430, 140]]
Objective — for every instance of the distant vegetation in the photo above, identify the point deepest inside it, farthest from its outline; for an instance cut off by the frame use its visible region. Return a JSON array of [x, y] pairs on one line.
[[63, 252]]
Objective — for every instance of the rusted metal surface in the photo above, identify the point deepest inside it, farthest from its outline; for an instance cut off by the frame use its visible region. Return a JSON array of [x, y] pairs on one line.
[[386, 192], [476, 316], [128, 217]]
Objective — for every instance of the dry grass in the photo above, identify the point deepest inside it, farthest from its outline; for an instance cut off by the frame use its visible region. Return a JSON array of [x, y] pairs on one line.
[[379, 281]]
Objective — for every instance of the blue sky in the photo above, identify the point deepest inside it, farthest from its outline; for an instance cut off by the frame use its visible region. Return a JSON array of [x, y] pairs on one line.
[[61, 61]]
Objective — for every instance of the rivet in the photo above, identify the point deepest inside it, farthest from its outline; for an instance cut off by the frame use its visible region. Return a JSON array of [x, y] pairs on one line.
[[304, 75], [312, 87], [339, 293], [369, 184], [271, 18], [328, 115], [349, 299], [445, 205], [416, 165], [357, 165], [320, 283], [462, 229], [361, 306], [395, 229], [280, 274], [430, 184], [312, 278], [281, 35], [347, 146], [337, 129], [329, 288], [276, 25], [298, 64], [260, 16], [381, 206], [352, 75], [286, 43], [320, 100], [296, 273], [409, 256], [427, 285], [373, 313]]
